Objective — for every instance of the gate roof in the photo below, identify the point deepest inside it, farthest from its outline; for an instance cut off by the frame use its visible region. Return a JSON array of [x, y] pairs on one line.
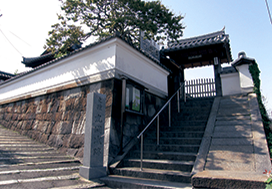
[[200, 51]]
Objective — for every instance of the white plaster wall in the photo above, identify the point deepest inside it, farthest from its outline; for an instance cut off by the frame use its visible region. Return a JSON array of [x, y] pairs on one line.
[[230, 84], [89, 62], [103, 61], [140, 68], [246, 82]]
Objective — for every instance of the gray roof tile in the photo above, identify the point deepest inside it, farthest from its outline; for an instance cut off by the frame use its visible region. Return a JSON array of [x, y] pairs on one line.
[[208, 39]]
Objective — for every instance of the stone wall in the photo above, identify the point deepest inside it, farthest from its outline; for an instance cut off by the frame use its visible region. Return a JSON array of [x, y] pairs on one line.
[[58, 119]]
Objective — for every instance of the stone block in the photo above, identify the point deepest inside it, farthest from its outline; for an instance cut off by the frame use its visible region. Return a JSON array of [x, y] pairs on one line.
[[55, 103], [80, 152], [68, 115], [19, 125], [50, 127], [39, 117], [62, 127], [43, 126], [66, 140], [72, 152], [76, 141], [27, 125], [44, 138], [63, 150], [62, 106], [79, 121], [8, 116], [30, 116], [58, 116], [55, 140], [14, 117]]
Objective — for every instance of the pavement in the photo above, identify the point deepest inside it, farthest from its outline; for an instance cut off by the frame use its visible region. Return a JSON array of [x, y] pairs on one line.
[[25, 163]]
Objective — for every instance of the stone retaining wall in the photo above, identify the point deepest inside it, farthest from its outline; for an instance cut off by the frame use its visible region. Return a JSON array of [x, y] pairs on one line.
[[58, 119]]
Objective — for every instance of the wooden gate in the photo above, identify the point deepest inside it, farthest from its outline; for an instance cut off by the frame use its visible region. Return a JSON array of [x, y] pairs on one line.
[[199, 88]]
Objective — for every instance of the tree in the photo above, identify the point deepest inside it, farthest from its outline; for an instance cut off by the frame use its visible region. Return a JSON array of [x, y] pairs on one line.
[[105, 17]]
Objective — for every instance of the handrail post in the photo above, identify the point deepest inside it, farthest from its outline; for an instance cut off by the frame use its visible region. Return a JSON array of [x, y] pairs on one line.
[[169, 113], [178, 101], [158, 130], [142, 145], [184, 92]]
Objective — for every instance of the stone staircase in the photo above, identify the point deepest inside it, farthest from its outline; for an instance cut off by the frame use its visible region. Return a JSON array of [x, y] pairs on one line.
[[25, 163], [169, 164]]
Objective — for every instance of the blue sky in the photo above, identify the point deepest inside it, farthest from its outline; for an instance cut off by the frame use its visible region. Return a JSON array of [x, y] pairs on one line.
[[26, 23], [247, 23]]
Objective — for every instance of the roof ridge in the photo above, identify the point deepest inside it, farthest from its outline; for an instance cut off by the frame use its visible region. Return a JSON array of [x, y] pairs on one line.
[[201, 37]]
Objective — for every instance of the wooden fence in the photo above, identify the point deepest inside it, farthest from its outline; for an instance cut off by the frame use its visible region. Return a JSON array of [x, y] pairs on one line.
[[198, 88]]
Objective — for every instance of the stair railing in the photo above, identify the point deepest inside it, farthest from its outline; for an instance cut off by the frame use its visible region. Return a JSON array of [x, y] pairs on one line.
[[179, 94]]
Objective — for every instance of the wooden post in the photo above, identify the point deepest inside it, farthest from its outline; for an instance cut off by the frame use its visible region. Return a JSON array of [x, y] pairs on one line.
[[123, 106], [217, 78]]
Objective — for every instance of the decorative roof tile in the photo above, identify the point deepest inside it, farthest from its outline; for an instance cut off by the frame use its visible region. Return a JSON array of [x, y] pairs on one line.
[[208, 39], [5, 75]]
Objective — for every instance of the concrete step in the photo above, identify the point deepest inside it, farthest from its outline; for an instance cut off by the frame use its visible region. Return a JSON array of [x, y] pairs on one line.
[[189, 118], [29, 154], [23, 149], [163, 175], [41, 166], [25, 163], [172, 148], [173, 140], [225, 111], [189, 123], [19, 160], [60, 182], [231, 117], [184, 128], [162, 155], [160, 164], [232, 122], [31, 173], [39, 163], [197, 134], [116, 181]]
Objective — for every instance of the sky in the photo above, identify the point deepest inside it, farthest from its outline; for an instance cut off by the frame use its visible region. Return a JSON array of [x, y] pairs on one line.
[[25, 24]]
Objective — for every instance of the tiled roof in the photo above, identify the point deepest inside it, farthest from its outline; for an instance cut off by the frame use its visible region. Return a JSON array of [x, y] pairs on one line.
[[208, 39], [35, 61], [229, 69], [5, 75], [87, 47], [243, 60]]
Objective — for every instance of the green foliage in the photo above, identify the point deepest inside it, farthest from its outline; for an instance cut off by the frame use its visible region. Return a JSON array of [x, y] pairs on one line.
[[105, 17], [255, 73], [62, 37], [269, 179]]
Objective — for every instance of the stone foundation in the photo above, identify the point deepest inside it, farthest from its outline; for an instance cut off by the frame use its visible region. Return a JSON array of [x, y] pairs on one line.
[[58, 119]]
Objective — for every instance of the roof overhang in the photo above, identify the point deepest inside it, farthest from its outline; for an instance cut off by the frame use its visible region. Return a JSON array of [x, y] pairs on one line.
[[200, 51]]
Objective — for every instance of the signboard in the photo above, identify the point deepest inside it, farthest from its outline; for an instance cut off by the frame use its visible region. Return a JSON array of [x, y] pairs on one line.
[[136, 99]]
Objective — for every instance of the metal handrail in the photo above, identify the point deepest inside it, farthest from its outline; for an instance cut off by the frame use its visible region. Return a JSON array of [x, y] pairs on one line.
[[157, 117]]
